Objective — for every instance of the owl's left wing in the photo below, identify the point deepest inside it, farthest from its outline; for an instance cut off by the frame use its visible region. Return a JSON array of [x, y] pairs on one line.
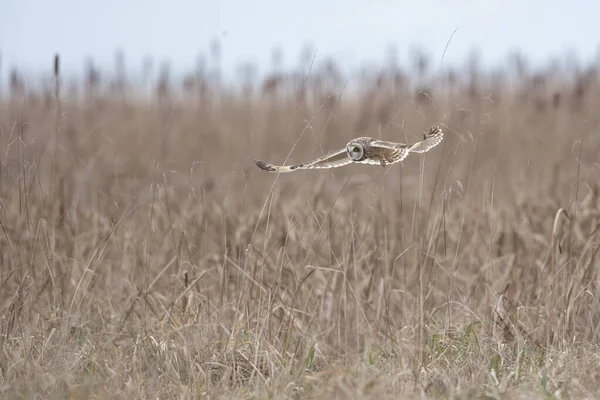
[[393, 152], [390, 152], [430, 140], [334, 159]]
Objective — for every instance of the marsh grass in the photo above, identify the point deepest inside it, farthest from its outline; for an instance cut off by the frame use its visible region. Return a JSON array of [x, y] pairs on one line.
[[144, 255]]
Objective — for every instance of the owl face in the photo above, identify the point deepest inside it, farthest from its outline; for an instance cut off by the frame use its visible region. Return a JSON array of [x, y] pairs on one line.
[[355, 151]]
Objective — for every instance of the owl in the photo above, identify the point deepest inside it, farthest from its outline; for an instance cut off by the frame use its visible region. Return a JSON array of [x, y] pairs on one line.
[[364, 150]]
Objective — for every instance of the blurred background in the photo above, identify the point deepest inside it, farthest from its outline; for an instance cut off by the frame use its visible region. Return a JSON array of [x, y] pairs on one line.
[[241, 41]]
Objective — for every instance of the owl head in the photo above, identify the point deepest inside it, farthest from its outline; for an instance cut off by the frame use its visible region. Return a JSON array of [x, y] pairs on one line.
[[355, 151]]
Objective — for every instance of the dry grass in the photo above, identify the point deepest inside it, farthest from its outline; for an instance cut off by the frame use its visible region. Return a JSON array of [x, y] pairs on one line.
[[143, 254]]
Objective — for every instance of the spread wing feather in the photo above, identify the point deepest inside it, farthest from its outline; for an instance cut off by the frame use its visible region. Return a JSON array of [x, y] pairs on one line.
[[430, 140], [394, 152], [334, 159]]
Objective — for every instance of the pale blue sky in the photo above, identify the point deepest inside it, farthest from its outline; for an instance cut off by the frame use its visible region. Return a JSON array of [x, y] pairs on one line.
[[352, 31]]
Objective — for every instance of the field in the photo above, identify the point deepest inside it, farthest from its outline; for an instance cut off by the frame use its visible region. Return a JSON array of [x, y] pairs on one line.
[[144, 255]]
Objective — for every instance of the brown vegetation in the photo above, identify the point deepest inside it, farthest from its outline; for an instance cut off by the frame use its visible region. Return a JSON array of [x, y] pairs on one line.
[[144, 255]]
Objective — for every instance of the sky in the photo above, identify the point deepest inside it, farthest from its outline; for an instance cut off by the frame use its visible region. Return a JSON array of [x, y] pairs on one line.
[[353, 32]]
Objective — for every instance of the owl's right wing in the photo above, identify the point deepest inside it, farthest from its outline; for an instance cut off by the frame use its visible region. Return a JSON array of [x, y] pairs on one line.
[[334, 159]]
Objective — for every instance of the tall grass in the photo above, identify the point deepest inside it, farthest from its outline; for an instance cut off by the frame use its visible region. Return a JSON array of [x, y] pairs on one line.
[[144, 255]]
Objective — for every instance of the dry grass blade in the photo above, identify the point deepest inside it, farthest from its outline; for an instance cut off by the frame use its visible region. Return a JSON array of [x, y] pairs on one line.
[[139, 262]]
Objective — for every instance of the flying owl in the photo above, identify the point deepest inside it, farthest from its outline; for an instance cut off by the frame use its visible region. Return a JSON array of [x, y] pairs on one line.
[[364, 150]]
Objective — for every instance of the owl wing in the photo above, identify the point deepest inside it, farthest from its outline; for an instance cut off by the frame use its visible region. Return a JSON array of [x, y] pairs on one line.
[[390, 152], [393, 152], [430, 140], [334, 159]]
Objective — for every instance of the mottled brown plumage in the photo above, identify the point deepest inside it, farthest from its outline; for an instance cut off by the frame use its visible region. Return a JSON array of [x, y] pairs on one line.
[[364, 150]]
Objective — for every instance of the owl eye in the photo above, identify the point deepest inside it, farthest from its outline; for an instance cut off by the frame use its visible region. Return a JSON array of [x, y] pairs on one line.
[[356, 150]]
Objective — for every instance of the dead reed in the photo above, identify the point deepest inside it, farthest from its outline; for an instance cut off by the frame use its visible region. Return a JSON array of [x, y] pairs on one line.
[[144, 255]]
